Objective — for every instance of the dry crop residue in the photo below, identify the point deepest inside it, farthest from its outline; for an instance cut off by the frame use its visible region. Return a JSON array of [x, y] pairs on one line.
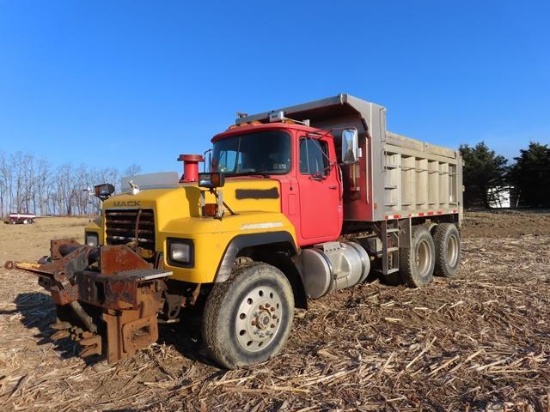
[[479, 342]]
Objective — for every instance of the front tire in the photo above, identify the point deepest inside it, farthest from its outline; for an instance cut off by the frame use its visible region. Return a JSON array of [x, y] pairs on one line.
[[417, 263], [248, 318]]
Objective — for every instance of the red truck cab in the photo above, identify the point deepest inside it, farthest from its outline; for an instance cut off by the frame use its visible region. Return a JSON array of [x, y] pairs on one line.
[[302, 159]]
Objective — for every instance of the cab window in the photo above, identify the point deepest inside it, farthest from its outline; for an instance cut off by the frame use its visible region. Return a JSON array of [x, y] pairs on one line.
[[313, 157], [266, 152]]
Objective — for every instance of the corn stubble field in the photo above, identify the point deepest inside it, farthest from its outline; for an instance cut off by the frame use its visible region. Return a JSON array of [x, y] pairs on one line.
[[480, 342]]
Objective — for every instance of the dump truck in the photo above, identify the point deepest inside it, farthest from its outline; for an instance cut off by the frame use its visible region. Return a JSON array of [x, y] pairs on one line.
[[292, 204]]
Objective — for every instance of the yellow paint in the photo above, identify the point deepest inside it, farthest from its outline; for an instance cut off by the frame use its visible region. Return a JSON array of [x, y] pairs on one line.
[[211, 238], [178, 215], [96, 226]]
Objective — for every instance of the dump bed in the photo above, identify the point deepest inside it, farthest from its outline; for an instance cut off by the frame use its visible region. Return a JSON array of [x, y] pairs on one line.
[[395, 176]]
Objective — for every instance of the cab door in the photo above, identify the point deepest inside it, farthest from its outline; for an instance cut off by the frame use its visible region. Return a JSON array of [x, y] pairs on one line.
[[320, 190]]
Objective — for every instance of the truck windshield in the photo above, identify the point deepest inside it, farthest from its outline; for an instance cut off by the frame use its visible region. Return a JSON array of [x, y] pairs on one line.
[[263, 153]]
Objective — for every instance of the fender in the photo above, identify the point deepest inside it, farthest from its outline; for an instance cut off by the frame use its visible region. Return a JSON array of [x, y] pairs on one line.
[[243, 241]]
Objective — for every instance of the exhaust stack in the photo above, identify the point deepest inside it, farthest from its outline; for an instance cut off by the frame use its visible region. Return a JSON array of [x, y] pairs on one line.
[[190, 167]]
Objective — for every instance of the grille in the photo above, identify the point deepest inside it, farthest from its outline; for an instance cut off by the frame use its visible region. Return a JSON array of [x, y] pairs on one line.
[[125, 226]]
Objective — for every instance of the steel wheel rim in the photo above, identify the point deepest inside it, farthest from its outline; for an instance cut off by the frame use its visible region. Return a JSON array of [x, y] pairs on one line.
[[452, 251], [423, 259], [258, 318]]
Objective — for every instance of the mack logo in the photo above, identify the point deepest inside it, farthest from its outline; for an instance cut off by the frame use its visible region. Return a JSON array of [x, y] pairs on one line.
[[131, 203]]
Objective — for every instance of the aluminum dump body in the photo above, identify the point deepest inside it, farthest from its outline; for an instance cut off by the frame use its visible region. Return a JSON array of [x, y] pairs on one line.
[[396, 176]]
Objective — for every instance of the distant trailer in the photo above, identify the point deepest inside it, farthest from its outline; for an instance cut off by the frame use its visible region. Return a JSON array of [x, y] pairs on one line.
[[20, 219], [500, 197]]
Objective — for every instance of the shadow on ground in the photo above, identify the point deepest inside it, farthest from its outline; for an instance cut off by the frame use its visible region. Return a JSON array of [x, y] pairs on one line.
[[38, 311], [185, 336]]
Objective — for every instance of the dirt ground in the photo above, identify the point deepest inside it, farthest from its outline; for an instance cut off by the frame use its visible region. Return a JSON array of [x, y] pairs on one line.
[[480, 342]]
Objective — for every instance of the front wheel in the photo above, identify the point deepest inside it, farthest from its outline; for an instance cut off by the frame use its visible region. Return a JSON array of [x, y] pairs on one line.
[[248, 318]]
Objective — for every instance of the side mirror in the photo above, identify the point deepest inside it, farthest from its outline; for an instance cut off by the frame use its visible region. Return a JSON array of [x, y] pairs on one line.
[[104, 191], [211, 180], [350, 146]]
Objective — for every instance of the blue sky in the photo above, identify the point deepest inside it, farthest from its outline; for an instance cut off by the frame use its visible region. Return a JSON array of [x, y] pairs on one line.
[[122, 82]]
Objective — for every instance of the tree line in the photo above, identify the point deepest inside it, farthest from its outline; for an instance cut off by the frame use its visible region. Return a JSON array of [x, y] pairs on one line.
[[32, 185], [487, 174]]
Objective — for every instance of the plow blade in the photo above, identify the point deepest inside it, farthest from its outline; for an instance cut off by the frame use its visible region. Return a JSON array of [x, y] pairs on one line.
[[107, 297]]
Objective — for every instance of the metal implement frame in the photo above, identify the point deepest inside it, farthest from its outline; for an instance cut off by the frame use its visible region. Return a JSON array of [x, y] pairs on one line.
[[107, 297]]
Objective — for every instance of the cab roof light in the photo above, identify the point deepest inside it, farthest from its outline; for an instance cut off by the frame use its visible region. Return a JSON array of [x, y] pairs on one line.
[[279, 116]]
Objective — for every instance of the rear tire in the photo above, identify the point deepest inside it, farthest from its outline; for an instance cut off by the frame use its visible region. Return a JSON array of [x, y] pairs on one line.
[[248, 318], [447, 250], [417, 263]]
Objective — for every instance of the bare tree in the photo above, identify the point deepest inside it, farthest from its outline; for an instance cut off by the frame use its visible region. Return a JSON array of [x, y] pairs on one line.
[[42, 183], [109, 175], [80, 190], [4, 188], [28, 184], [28, 178], [17, 182], [132, 170], [64, 183]]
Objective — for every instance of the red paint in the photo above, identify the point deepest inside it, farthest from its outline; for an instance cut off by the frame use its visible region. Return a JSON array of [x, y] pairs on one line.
[[314, 205], [190, 167], [321, 213]]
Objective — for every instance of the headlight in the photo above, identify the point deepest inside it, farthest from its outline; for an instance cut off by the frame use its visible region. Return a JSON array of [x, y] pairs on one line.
[[92, 239], [180, 252]]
